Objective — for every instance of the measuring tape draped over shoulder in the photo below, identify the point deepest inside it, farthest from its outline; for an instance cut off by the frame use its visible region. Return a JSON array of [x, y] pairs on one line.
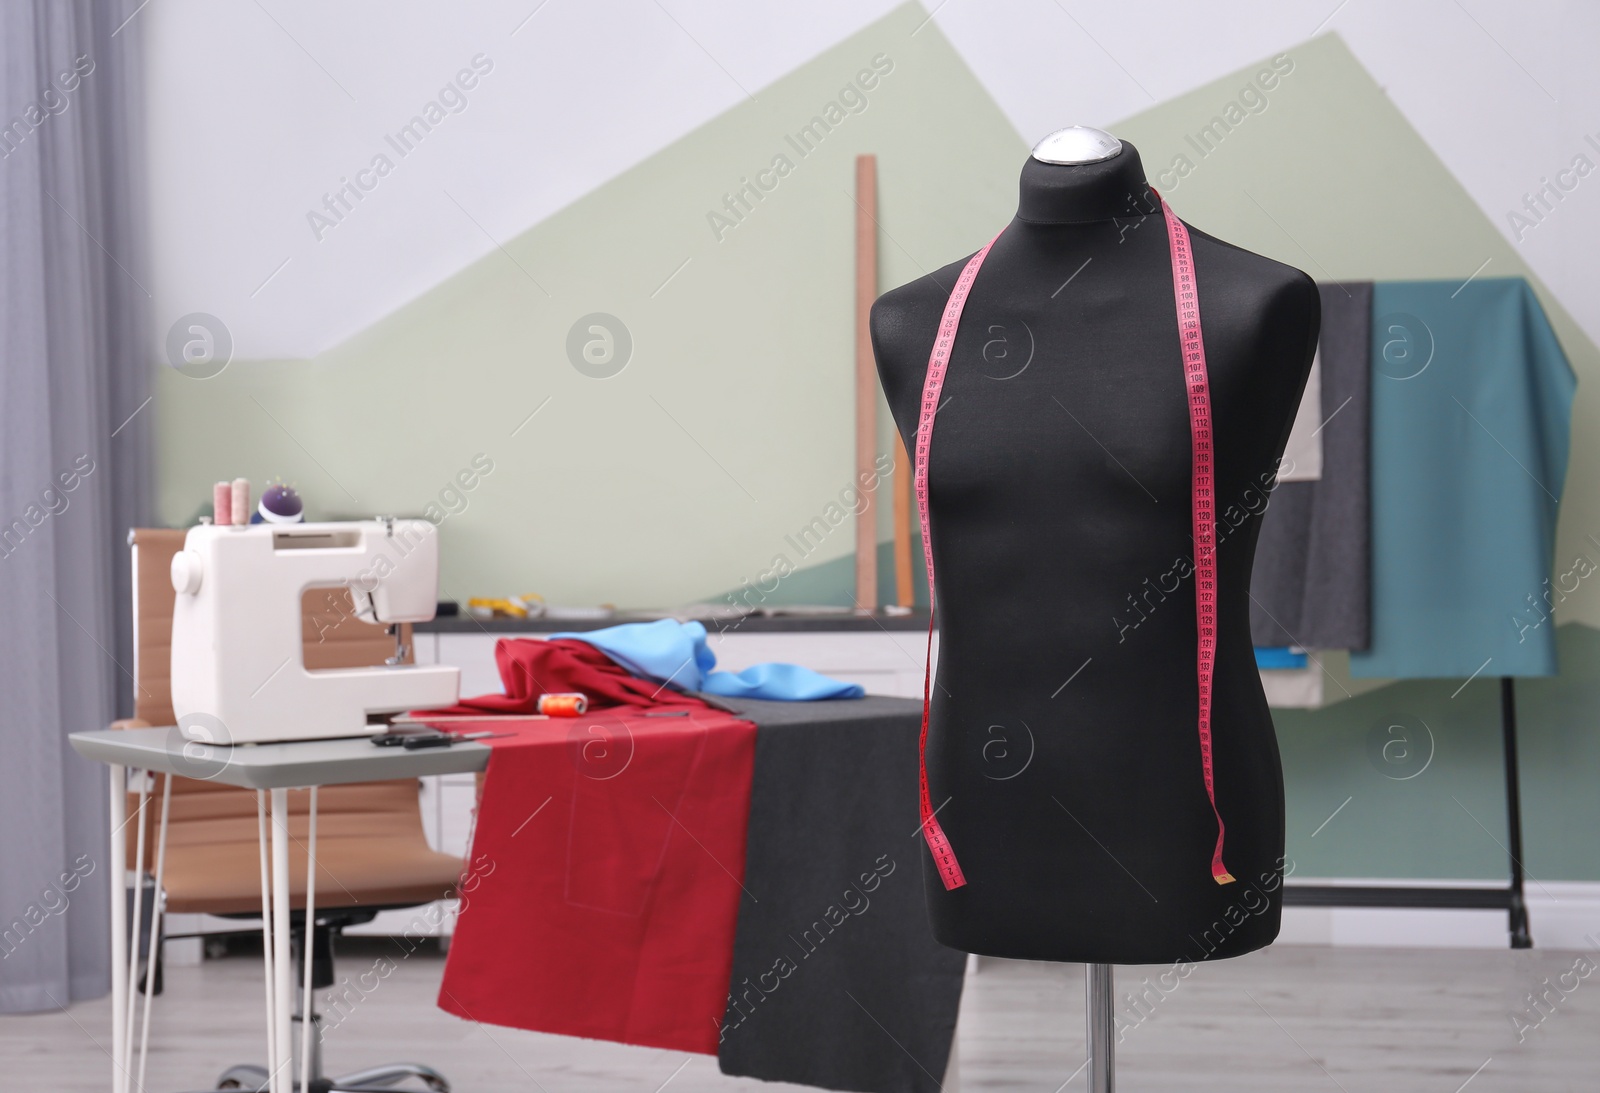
[[1203, 493]]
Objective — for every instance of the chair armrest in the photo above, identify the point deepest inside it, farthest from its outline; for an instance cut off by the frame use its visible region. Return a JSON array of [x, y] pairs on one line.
[[130, 723]]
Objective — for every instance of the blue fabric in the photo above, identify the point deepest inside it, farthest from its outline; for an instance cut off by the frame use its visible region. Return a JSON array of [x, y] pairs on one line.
[[1469, 456], [676, 654], [1278, 656]]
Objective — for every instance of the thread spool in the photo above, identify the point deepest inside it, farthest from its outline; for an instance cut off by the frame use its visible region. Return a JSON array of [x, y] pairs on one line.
[[222, 504], [566, 704], [241, 500]]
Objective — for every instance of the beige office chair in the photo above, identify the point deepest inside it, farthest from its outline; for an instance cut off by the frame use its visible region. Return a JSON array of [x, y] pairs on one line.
[[372, 854]]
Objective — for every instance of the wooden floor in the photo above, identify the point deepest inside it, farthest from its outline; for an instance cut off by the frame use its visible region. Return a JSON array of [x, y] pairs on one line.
[[1280, 1021]]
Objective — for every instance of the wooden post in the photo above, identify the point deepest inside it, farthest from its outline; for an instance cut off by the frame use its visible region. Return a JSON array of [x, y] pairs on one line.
[[904, 588], [866, 381]]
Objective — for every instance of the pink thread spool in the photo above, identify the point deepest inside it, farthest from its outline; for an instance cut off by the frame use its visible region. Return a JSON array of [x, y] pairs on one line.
[[241, 500], [222, 503]]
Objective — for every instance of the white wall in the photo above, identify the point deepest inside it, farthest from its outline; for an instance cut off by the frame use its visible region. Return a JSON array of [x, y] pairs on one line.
[[258, 110]]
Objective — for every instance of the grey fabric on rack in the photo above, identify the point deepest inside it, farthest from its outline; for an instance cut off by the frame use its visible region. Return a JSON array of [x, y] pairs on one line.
[[74, 477], [869, 999], [1312, 583]]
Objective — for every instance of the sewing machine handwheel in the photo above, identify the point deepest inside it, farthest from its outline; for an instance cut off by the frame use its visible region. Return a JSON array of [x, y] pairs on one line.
[[186, 569]]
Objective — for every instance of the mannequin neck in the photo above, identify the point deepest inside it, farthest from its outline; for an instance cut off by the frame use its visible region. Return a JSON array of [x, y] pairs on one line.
[[1054, 193]]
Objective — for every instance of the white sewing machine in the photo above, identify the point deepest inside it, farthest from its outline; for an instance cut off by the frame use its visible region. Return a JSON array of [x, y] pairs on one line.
[[238, 673]]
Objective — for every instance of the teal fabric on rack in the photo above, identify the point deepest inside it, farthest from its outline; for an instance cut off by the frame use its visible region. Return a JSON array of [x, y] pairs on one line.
[[1471, 417]]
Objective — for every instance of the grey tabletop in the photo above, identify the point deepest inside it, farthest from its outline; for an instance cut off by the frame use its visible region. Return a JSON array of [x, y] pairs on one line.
[[357, 759], [274, 766]]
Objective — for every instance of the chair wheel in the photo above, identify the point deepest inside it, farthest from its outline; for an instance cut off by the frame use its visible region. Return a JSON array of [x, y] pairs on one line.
[[253, 1078], [374, 1079]]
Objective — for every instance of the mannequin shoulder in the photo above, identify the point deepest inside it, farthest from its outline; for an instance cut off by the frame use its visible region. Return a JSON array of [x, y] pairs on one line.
[[906, 311], [904, 322], [1260, 283]]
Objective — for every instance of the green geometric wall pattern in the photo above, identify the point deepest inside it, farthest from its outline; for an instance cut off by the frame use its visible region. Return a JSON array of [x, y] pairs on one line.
[[730, 427]]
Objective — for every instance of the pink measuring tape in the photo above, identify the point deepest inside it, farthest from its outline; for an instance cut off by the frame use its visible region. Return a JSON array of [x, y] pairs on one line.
[[1203, 491]]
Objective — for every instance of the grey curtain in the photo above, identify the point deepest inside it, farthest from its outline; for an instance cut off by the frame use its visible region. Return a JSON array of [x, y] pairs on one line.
[[74, 467]]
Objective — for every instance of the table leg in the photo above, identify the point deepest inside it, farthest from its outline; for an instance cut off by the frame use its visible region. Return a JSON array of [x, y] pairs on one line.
[[282, 1063], [266, 935], [117, 872], [138, 927], [155, 927], [308, 1027]]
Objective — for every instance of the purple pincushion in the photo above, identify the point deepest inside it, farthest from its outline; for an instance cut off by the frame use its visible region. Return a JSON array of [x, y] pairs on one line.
[[280, 505]]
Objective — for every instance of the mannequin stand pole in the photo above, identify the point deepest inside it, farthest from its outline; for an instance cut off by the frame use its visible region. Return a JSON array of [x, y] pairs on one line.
[[1099, 1026]]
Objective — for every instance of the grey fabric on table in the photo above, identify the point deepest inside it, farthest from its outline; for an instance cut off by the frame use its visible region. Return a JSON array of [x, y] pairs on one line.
[[872, 1005], [1312, 583]]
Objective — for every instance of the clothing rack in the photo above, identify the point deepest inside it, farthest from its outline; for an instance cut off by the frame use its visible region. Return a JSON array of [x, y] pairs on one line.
[[1510, 898]]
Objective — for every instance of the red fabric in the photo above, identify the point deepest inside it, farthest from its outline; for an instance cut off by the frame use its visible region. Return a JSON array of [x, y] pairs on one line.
[[603, 886], [530, 668]]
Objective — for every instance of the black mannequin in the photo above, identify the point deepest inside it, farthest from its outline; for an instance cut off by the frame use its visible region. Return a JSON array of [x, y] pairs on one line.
[[1060, 506]]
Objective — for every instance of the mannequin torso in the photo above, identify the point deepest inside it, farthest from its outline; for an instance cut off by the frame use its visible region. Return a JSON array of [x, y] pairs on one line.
[[1063, 752]]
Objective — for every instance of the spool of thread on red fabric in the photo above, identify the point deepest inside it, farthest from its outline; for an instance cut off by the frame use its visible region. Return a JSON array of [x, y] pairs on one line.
[[222, 503], [570, 704]]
